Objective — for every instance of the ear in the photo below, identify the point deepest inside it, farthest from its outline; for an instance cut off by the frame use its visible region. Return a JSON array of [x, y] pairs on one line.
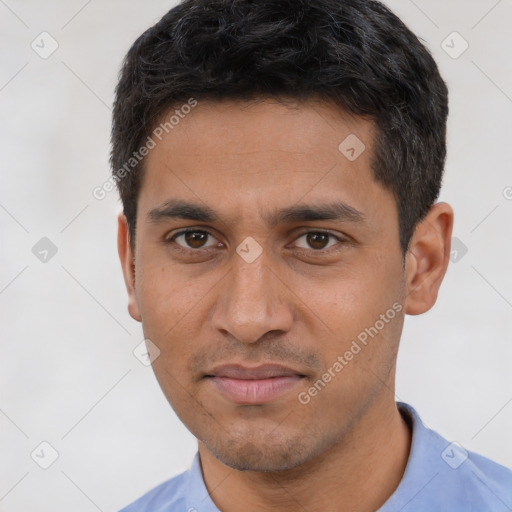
[[427, 259], [127, 258]]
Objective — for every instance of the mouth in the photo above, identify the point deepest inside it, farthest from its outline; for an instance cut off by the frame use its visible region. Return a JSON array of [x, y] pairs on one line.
[[254, 385]]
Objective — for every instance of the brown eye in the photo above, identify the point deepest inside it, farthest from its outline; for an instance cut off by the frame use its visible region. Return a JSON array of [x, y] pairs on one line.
[[317, 240], [193, 239]]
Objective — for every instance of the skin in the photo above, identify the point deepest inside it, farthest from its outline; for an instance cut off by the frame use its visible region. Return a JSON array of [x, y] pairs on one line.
[[301, 303]]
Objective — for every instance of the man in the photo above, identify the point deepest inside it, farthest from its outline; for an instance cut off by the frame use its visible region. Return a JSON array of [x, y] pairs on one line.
[[278, 164]]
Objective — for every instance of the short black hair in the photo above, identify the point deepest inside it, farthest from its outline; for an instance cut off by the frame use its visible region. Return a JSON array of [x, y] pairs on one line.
[[355, 54]]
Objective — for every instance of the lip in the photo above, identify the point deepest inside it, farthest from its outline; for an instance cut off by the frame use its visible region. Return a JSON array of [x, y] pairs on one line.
[[254, 385]]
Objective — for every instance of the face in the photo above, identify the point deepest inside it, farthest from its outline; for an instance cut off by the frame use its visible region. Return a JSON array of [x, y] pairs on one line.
[[269, 274]]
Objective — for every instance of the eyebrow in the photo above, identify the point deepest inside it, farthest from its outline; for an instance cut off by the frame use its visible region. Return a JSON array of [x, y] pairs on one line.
[[340, 211]]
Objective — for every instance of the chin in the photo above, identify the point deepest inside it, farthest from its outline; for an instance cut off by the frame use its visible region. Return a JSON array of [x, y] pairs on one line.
[[254, 453]]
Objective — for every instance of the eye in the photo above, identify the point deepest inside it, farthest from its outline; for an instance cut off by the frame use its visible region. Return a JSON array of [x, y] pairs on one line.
[[318, 240], [198, 239], [192, 239]]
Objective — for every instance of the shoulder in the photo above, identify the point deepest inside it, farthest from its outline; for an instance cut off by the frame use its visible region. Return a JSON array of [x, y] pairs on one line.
[[485, 484], [443, 475], [185, 492], [168, 496]]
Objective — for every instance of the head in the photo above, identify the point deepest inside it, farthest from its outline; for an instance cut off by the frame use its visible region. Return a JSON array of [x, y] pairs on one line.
[[278, 165]]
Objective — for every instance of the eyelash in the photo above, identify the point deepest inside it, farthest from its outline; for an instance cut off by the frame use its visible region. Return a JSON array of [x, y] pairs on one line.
[[180, 248]]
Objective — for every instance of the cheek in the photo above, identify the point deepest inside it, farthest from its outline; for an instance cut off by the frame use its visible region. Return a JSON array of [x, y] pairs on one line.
[[361, 321], [166, 294], [351, 301], [170, 310]]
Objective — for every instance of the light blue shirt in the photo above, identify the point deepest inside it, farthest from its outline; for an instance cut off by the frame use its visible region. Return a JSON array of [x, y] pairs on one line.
[[440, 477]]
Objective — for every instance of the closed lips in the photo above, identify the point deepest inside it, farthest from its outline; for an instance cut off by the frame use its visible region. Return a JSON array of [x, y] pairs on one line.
[[258, 385], [267, 371]]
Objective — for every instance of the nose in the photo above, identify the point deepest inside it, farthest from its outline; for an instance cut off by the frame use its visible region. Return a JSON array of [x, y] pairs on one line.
[[252, 302]]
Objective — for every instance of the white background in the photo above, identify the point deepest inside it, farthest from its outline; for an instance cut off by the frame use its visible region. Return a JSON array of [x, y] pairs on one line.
[[68, 375]]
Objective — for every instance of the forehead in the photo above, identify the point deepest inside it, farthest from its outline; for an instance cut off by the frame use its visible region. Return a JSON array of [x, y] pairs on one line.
[[249, 155], [263, 125]]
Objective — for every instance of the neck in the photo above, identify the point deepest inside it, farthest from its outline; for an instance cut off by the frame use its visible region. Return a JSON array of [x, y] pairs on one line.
[[358, 473]]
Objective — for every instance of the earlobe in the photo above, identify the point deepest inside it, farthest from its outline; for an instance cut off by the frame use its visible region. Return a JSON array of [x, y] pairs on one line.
[[127, 259], [427, 259]]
